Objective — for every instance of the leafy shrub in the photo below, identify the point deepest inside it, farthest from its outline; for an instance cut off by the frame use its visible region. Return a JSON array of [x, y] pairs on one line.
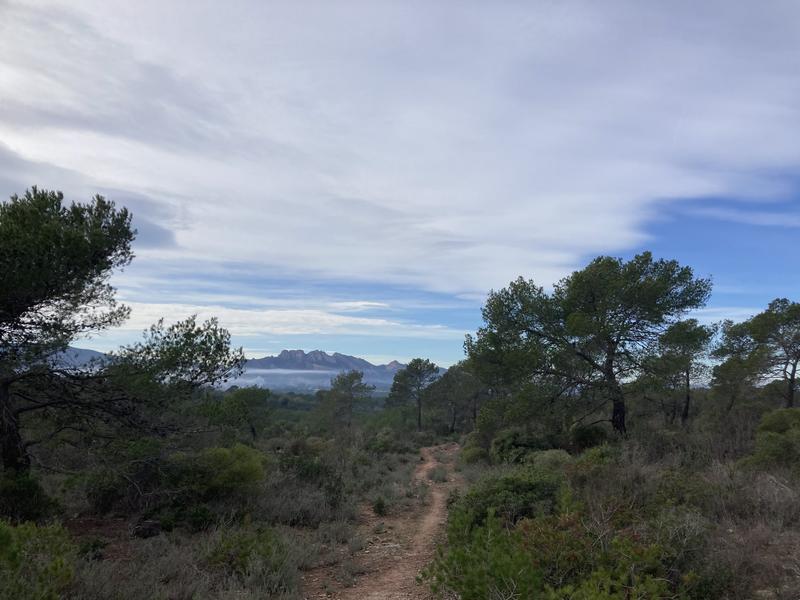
[[220, 472], [549, 460], [588, 464], [677, 487], [104, 490], [199, 517], [777, 441], [484, 564], [553, 557], [23, 499], [473, 454], [522, 493], [583, 437], [36, 563], [388, 440], [512, 445], [379, 506], [780, 421]]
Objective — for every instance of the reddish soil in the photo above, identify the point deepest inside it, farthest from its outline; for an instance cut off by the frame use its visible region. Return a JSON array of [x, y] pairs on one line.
[[398, 547]]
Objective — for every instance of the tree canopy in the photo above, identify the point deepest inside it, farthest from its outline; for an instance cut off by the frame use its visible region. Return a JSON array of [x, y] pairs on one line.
[[410, 383], [592, 331], [55, 264]]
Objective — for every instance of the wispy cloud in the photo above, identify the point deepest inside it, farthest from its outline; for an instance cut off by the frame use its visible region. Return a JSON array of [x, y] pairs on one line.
[[265, 322], [445, 147]]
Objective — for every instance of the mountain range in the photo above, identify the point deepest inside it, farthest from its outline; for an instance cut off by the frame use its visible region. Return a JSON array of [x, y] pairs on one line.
[[308, 371], [291, 370]]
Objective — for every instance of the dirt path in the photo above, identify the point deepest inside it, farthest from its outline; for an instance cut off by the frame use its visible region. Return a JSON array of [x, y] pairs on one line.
[[392, 562]]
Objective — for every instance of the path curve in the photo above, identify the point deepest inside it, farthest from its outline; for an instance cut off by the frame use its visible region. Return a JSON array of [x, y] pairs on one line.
[[396, 579]]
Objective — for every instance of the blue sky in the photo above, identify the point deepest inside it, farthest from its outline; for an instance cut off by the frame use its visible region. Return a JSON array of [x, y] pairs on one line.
[[355, 176]]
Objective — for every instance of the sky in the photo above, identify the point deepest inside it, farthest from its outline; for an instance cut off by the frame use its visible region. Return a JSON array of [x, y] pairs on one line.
[[356, 176]]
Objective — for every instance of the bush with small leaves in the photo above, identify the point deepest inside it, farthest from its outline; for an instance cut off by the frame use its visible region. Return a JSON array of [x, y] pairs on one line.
[[513, 445], [524, 492], [257, 556], [23, 499], [379, 506], [36, 563], [777, 441], [219, 472], [473, 455], [554, 461]]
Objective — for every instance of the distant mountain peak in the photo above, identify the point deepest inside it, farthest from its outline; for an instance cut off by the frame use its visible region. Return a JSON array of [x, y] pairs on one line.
[[297, 369], [318, 360]]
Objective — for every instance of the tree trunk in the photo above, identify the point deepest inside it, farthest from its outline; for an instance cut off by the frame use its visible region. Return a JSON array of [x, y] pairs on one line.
[[452, 419], [616, 395], [618, 416], [14, 457], [687, 402], [419, 413], [790, 385]]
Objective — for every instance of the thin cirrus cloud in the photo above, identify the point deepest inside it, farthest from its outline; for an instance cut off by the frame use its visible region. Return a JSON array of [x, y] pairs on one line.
[[445, 147]]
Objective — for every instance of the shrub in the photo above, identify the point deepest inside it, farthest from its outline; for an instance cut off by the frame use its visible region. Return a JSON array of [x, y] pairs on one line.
[[379, 506], [587, 465], [23, 499], [36, 563], [777, 441], [583, 437], [220, 472], [259, 556], [438, 474], [553, 557], [104, 490], [549, 460], [521, 493], [780, 421], [512, 445], [473, 455], [484, 564]]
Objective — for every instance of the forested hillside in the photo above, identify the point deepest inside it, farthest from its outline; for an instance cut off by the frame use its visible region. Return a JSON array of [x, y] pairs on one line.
[[598, 441]]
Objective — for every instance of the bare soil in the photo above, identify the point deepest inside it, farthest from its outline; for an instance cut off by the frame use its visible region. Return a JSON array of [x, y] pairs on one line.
[[398, 546]]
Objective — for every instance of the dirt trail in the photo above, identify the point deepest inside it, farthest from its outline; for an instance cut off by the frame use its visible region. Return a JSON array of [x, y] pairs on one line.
[[391, 565]]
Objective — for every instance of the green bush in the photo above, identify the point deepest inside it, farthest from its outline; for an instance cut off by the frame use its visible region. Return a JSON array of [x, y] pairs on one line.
[[104, 490], [555, 558], [219, 472], [780, 421], [549, 460], [522, 493], [777, 441], [473, 455], [583, 437], [588, 464], [512, 445], [379, 506], [36, 563], [23, 499], [485, 563]]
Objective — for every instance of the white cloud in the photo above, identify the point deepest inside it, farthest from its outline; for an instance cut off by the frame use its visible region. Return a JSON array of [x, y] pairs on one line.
[[285, 322], [450, 146]]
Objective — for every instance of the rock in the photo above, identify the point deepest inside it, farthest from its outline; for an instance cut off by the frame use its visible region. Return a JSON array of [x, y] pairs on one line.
[[146, 529]]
